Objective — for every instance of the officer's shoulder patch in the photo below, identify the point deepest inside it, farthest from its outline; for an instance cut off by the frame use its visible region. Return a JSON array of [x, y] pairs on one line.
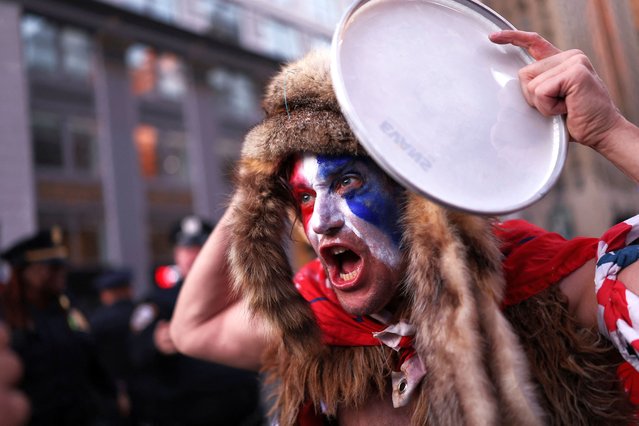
[[77, 321], [143, 315]]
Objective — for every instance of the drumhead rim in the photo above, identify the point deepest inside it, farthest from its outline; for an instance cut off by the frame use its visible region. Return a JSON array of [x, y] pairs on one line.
[[358, 127]]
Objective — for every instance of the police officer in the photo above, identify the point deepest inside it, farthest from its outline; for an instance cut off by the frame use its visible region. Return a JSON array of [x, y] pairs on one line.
[[172, 389], [110, 328], [62, 374]]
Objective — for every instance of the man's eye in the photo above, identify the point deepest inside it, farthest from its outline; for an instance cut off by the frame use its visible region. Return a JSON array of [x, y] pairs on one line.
[[305, 197], [348, 183]]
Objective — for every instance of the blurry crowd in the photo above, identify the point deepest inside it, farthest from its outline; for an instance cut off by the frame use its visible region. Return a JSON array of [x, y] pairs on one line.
[[114, 365]]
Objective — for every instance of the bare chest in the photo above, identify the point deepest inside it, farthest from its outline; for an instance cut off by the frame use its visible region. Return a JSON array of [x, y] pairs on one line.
[[375, 412]]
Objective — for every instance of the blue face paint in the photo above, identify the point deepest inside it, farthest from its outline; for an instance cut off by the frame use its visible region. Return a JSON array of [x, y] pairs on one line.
[[375, 201]]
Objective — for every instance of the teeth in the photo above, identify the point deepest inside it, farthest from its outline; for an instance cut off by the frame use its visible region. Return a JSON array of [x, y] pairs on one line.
[[338, 250], [349, 276]]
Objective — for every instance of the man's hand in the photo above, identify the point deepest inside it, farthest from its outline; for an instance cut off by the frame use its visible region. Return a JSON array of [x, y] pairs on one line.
[[162, 338], [14, 406], [565, 83]]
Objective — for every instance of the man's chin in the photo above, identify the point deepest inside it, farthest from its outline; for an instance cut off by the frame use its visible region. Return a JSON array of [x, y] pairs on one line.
[[358, 307]]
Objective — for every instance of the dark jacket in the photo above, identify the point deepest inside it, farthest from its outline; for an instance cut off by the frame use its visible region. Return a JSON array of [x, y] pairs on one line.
[[180, 390], [63, 376]]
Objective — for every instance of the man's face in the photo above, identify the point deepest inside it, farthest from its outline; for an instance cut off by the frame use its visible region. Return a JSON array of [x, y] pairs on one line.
[[350, 210], [46, 280]]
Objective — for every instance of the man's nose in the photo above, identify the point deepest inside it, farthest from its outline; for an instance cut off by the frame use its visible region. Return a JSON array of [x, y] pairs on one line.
[[327, 217]]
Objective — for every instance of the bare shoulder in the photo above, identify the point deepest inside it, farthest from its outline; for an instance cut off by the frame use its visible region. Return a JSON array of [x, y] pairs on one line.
[[630, 277], [376, 411], [579, 289]]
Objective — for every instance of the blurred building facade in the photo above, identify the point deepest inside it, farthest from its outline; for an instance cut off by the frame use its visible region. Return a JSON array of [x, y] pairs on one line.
[[120, 116], [591, 194]]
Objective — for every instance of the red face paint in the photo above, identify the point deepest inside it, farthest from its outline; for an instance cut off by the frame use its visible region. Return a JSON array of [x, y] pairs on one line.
[[349, 211], [303, 193]]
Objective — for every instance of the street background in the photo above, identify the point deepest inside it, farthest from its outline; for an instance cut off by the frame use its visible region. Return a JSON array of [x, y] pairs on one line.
[[117, 117]]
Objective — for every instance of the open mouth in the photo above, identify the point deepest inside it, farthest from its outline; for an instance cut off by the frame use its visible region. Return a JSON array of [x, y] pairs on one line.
[[344, 265]]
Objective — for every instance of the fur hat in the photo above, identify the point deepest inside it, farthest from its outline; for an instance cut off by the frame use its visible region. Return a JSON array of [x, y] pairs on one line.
[[476, 371]]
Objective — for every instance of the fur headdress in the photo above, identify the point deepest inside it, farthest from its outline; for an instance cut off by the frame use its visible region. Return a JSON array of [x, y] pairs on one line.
[[476, 371]]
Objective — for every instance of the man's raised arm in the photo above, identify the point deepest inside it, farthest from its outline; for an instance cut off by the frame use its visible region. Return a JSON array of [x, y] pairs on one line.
[[566, 83], [210, 323]]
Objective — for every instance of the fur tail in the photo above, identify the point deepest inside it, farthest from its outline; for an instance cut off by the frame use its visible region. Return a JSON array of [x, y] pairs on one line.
[[457, 384], [476, 370], [258, 261], [505, 356]]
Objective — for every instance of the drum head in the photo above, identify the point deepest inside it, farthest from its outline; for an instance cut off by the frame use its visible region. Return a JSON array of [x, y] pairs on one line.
[[439, 107]]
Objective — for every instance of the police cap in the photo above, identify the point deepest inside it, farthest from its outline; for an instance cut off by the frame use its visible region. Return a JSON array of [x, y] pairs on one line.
[[117, 278], [43, 246], [191, 231]]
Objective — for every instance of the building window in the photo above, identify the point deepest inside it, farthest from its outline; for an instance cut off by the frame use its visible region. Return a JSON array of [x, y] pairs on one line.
[[172, 154], [163, 10], [38, 35], [237, 94], [161, 152], [278, 39], [55, 49], [76, 52], [46, 131], [171, 79], [64, 143], [146, 139], [82, 137], [155, 73], [219, 18]]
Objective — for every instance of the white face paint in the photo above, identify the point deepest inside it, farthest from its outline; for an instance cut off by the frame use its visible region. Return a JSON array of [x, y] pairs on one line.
[[350, 211]]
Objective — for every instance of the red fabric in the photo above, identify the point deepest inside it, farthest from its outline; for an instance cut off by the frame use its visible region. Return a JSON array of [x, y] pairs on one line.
[[535, 259], [630, 380], [616, 237], [338, 327], [617, 305], [308, 417], [612, 295]]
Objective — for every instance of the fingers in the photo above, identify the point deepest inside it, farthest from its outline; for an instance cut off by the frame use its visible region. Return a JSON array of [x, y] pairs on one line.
[[565, 83], [547, 83], [10, 368], [163, 340], [14, 407], [536, 46], [4, 336], [556, 63], [545, 99]]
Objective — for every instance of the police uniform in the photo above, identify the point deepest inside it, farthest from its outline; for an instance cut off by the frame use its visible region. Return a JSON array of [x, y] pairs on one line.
[[176, 389], [63, 377], [110, 328]]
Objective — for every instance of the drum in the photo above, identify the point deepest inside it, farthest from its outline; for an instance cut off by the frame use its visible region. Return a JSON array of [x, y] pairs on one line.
[[439, 107]]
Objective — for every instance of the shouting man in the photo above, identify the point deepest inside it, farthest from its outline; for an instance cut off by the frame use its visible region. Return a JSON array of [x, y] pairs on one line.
[[400, 317]]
